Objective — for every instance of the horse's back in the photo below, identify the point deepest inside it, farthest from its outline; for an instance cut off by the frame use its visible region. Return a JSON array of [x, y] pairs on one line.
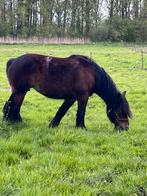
[[52, 76]]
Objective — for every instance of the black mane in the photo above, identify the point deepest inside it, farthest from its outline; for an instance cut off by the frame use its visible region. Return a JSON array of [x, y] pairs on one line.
[[106, 88]]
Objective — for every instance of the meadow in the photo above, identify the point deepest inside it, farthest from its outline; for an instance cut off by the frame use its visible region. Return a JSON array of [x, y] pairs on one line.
[[39, 161]]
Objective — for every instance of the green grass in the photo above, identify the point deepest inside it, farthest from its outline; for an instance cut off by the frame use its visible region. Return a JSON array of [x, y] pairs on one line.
[[36, 160]]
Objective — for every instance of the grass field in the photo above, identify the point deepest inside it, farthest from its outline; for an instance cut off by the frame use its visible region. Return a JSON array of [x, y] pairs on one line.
[[38, 161]]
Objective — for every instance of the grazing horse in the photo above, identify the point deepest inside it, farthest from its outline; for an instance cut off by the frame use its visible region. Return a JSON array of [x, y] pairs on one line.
[[74, 78]]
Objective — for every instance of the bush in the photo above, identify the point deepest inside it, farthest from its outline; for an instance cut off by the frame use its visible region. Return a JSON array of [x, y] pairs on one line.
[[99, 34]]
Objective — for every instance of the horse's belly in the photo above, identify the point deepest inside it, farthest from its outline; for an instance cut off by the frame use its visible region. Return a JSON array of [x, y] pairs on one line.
[[54, 93]]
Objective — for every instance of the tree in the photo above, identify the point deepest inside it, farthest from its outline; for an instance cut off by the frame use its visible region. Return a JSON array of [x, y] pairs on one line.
[[124, 19]]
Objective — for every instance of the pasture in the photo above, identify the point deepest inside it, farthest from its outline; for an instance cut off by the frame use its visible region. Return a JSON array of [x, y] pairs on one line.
[[36, 160]]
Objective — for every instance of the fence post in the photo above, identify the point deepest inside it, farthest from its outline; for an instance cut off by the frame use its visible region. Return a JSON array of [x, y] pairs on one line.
[[142, 60], [90, 55]]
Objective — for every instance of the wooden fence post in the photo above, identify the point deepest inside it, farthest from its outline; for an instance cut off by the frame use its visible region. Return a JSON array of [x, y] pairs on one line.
[[90, 55], [142, 60]]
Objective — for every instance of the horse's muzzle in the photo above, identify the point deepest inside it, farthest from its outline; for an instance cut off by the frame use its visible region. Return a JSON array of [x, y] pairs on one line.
[[119, 128]]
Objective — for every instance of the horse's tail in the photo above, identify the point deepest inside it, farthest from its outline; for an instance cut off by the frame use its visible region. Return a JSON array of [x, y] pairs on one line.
[[10, 61]]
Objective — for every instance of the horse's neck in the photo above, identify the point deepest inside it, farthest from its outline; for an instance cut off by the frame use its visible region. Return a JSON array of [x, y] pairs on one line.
[[107, 89]]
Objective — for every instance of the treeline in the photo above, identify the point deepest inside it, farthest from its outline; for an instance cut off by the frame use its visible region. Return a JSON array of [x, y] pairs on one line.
[[99, 20]]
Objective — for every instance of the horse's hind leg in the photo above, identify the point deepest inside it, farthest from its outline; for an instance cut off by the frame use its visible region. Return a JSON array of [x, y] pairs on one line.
[[11, 109], [61, 112]]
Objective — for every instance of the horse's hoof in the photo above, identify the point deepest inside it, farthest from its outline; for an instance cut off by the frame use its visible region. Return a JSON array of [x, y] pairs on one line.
[[12, 120], [53, 125], [81, 127]]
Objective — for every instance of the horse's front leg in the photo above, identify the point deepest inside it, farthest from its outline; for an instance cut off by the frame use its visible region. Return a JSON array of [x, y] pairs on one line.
[[11, 109], [82, 102], [61, 112]]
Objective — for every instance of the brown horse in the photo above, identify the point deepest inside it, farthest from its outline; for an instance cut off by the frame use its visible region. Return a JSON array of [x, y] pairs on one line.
[[73, 79]]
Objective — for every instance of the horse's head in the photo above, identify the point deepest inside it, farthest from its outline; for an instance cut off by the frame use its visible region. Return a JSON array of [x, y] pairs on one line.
[[120, 112]]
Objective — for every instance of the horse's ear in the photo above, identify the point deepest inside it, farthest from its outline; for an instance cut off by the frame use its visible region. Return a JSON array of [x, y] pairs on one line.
[[124, 93]]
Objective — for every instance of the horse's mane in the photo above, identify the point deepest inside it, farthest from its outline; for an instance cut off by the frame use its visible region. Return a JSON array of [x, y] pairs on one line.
[[105, 87], [123, 106]]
